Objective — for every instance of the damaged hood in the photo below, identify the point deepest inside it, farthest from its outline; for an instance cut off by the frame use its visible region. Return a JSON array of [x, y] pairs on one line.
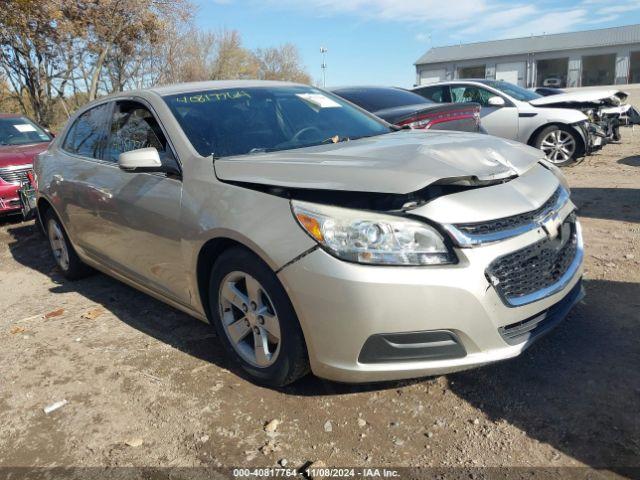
[[588, 97], [400, 163]]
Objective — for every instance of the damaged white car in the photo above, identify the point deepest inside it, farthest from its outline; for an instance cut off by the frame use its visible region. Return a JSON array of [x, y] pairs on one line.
[[607, 110], [564, 133]]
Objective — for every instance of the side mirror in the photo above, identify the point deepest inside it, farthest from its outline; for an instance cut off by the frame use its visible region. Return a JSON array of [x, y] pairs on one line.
[[496, 101], [143, 159]]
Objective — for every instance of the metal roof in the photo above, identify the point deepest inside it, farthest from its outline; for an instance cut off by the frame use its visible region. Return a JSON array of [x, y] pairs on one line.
[[533, 44]]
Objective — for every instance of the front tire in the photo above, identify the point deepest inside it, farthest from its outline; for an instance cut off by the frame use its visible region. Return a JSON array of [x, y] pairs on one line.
[[561, 145], [63, 252], [255, 320]]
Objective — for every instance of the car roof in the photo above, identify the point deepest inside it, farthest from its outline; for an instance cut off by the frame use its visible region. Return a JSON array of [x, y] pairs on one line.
[[218, 85], [483, 81], [180, 88], [365, 87]]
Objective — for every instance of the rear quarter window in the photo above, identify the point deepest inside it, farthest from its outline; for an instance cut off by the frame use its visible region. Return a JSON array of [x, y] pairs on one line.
[[435, 94]]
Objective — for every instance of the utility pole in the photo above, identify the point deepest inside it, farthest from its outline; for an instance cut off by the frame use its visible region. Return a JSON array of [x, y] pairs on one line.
[[324, 51]]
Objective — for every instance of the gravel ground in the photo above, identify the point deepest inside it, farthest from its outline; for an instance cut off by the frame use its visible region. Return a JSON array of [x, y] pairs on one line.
[[147, 386]]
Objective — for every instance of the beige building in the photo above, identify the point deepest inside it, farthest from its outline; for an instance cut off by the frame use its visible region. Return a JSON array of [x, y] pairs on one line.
[[595, 57]]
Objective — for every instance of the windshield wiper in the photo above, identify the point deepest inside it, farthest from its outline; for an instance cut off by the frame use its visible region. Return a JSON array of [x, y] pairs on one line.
[[335, 139], [258, 150]]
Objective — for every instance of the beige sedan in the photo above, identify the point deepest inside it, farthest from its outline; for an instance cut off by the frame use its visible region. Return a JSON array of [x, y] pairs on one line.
[[311, 234]]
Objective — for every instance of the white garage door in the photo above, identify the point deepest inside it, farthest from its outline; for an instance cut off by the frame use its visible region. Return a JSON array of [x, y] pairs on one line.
[[432, 76], [511, 72]]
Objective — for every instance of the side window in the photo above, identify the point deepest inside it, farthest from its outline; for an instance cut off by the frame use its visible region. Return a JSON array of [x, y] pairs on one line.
[[88, 135], [470, 93], [133, 127], [435, 94]]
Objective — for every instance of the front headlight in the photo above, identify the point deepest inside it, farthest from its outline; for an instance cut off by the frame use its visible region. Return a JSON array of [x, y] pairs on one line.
[[372, 238]]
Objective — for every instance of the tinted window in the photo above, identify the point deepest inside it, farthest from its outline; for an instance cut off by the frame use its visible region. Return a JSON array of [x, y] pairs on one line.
[[254, 120], [88, 136], [21, 131], [435, 94], [514, 91], [374, 99], [470, 93], [133, 127]]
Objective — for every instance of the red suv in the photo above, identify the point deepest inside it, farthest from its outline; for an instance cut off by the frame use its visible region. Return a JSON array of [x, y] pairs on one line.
[[20, 141]]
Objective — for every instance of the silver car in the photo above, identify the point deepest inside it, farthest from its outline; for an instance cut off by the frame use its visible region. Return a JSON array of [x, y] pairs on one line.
[[311, 234], [510, 111]]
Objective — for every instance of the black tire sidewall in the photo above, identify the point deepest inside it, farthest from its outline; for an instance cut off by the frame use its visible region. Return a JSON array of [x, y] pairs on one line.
[[292, 362]]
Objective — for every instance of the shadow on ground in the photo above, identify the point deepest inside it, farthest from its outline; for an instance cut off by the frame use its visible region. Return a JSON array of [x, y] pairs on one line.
[[621, 204], [578, 389], [151, 316], [10, 220], [633, 161]]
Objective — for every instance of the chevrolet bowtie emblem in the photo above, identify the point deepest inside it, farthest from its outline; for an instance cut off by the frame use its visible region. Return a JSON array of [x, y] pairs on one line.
[[551, 224]]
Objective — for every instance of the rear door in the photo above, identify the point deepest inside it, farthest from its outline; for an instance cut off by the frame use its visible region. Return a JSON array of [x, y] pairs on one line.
[[498, 121], [72, 184]]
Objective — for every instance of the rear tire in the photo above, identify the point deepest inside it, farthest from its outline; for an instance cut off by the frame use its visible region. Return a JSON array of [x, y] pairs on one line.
[[255, 320], [561, 145], [63, 252]]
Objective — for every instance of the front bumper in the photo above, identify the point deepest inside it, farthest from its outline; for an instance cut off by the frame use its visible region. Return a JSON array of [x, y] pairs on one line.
[[9, 198], [593, 136], [342, 305]]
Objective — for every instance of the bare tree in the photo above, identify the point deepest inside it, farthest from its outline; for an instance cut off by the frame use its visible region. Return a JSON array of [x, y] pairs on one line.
[[204, 55], [281, 63], [55, 48], [34, 38], [119, 30], [57, 54], [232, 60]]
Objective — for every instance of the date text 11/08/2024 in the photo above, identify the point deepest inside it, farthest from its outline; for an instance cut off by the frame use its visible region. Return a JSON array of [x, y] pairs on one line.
[[317, 472]]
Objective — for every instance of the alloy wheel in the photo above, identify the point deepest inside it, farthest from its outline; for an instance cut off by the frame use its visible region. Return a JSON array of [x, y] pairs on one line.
[[558, 146], [249, 319], [58, 244]]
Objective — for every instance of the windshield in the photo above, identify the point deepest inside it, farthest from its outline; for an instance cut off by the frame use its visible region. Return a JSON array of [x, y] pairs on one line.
[[514, 91], [375, 99], [242, 121], [21, 131]]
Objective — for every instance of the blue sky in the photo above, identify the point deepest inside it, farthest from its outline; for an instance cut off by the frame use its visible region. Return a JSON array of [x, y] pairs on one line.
[[376, 41]]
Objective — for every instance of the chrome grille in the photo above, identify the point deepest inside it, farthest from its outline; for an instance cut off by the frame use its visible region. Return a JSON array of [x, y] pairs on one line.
[[15, 175], [480, 233], [532, 273], [510, 223]]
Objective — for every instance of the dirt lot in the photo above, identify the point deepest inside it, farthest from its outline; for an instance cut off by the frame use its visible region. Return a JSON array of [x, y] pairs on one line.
[[147, 385]]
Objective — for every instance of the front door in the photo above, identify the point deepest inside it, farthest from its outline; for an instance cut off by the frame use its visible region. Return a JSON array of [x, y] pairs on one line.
[[140, 231], [498, 121]]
